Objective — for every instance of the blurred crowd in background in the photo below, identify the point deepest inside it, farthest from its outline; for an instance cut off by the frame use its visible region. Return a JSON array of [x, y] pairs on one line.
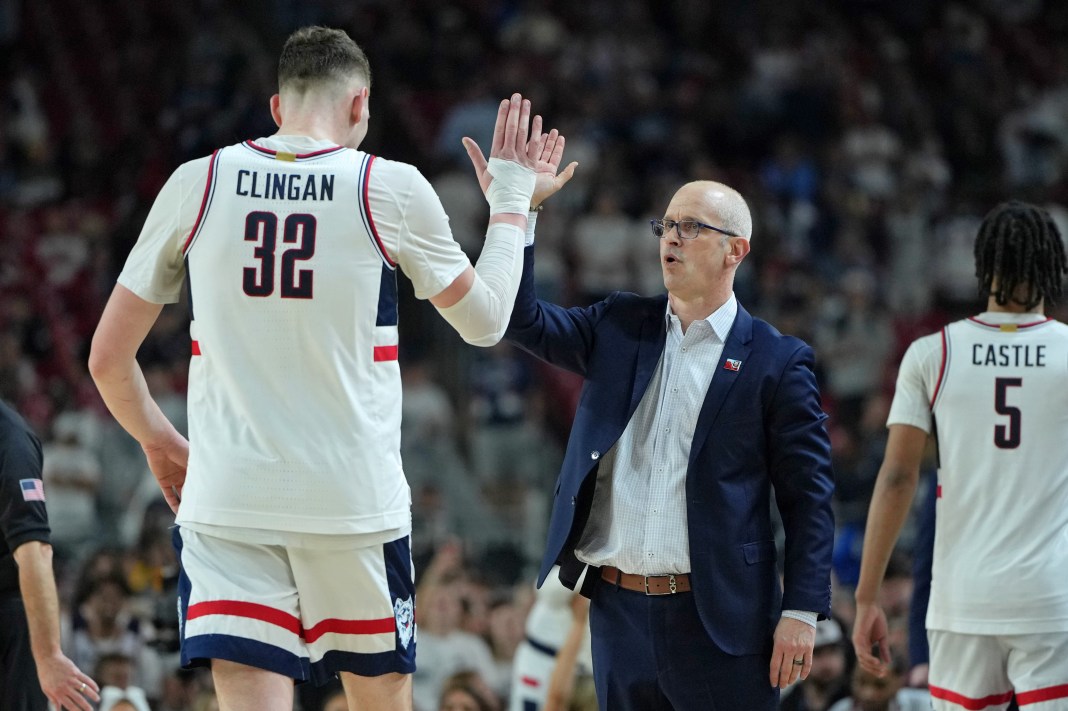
[[869, 138]]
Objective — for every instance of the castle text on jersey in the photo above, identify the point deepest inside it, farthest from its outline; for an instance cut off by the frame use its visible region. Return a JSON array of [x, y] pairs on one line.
[[1026, 356]]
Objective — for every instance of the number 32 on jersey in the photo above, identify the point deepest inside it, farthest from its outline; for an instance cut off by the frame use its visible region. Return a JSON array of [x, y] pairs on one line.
[[298, 230]]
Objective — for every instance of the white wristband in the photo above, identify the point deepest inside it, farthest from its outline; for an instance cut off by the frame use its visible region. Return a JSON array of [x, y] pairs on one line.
[[511, 189], [532, 219]]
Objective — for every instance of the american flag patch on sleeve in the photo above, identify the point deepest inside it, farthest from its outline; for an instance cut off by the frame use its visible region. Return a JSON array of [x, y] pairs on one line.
[[32, 489]]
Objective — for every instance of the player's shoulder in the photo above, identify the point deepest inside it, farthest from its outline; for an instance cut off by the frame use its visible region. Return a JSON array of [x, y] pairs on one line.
[[389, 168], [926, 348], [1058, 327], [196, 167]]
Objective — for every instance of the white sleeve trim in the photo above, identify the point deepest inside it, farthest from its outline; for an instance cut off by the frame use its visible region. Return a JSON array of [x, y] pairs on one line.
[[809, 618]]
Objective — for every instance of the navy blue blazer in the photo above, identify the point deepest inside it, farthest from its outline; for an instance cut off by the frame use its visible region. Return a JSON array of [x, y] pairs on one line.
[[760, 425]]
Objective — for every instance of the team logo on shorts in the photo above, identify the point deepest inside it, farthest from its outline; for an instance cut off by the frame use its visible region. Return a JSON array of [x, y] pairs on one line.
[[404, 612]]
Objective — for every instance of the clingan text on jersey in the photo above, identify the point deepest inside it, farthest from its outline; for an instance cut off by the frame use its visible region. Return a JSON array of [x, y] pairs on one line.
[[285, 186]]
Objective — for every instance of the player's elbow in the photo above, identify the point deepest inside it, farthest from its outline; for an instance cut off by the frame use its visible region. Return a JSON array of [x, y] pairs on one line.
[[898, 477], [485, 341], [104, 361]]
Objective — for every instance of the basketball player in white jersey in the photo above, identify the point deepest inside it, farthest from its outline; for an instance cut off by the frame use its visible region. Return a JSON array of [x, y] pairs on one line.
[[292, 505], [547, 627], [992, 391]]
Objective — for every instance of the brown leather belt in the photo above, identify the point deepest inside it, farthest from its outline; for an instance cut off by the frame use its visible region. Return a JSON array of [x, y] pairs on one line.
[[648, 584]]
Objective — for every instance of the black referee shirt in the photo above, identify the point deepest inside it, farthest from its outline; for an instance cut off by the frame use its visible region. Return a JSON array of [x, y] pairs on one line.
[[22, 510]]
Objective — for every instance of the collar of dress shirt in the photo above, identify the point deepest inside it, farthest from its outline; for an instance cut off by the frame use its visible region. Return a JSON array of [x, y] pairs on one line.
[[720, 320]]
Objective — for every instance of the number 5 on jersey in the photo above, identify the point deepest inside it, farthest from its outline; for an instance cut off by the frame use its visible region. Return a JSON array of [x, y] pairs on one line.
[[1006, 436], [298, 229]]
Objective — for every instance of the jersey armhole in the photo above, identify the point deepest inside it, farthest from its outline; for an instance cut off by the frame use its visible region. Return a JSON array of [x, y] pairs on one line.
[[364, 183], [205, 202], [941, 369]]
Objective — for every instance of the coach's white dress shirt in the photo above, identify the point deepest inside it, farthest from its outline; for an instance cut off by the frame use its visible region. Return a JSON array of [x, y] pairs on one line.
[[638, 520]]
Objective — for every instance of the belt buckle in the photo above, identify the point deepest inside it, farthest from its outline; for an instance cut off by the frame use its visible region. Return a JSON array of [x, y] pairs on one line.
[[672, 589]]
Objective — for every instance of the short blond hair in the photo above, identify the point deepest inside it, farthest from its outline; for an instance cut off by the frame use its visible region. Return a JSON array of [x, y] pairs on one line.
[[316, 55]]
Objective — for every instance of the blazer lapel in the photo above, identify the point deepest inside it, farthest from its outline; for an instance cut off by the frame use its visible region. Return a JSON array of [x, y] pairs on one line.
[[736, 350], [651, 342]]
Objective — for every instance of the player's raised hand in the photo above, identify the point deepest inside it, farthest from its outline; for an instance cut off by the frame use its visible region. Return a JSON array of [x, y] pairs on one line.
[[547, 150], [512, 131], [515, 138]]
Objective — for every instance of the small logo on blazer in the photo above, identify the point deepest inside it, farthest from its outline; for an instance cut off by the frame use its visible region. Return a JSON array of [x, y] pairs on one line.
[[732, 364]]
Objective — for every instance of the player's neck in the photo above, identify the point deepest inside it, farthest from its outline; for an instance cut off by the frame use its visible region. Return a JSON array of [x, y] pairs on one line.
[[311, 128], [992, 306]]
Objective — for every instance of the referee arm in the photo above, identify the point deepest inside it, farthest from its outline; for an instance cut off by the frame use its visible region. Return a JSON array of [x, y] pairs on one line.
[[63, 683]]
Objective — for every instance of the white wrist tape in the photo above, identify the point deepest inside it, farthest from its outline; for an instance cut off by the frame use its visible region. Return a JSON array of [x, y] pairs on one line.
[[512, 187], [532, 219], [481, 316]]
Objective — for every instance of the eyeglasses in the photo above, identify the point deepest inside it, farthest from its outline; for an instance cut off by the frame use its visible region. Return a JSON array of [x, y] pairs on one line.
[[687, 229]]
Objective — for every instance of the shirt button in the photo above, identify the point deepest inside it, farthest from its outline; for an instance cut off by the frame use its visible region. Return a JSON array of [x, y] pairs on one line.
[[684, 349], [649, 554], [667, 429], [674, 390], [595, 454]]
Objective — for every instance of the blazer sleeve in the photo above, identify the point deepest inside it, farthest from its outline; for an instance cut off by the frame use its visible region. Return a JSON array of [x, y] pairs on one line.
[[564, 337], [799, 459]]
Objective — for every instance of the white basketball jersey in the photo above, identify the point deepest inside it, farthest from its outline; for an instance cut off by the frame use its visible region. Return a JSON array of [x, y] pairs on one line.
[[997, 388], [294, 387]]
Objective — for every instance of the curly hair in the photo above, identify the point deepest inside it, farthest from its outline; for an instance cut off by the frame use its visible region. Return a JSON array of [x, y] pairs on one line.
[[1019, 248]]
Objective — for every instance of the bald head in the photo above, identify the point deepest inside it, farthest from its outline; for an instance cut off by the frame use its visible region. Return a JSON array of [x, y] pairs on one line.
[[720, 200]]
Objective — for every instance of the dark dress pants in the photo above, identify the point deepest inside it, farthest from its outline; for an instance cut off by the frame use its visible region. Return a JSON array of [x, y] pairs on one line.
[[652, 653]]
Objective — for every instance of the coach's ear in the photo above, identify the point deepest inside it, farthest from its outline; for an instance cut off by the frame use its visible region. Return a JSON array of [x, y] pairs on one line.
[[276, 110]]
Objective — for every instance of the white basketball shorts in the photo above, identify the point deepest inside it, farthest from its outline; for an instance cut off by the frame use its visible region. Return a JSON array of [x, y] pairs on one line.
[[980, 671], [307, 613], [531, 670]]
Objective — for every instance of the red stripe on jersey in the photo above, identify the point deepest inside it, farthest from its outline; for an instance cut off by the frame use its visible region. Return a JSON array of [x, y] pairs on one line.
[[530, 681], [386, 625], [970, 703], [1023, 698], [367, 209], [941, 370], [1017, 325], [196, 347], [313, 154], [203, 202], [250, 610], [383, 353]]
